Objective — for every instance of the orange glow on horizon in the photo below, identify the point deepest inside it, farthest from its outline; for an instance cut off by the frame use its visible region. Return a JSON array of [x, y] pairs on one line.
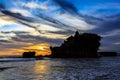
[[40, 49]]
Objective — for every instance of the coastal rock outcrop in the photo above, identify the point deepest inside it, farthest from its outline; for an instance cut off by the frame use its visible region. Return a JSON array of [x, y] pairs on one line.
[[79, 45], [29, 54], [105, 54]]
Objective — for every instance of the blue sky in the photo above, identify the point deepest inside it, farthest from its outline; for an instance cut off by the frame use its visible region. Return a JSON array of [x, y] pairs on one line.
[[52, 21]]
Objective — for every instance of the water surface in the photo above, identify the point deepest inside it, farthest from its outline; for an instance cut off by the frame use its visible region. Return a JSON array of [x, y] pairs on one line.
[[106, 68]]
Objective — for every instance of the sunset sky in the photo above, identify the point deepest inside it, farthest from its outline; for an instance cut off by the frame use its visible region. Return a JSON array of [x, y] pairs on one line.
[[38, 24]]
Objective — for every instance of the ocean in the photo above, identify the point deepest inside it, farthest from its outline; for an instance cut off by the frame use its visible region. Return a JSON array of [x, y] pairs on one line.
[[104, 68]]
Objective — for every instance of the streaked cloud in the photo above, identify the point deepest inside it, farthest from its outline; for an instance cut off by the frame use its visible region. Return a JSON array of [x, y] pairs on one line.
[[21, 11], [44, 28], [74, 22], [112, 33], [4, 20]]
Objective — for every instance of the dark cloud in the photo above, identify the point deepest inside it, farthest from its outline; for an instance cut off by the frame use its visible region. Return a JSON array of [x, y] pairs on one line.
[[109, 24], [18, 16], [50, 20], [21, 19], [56, 23], [5, 41], [92, 20], [27, 24], [46, 20], [21, 32], [71, 9], [67, 32], [67, 6], [26, 37], [6, 32], [35, 39], [60, 24]]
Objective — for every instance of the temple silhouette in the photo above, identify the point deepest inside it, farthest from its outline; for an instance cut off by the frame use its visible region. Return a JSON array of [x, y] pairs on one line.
[[79, 45]]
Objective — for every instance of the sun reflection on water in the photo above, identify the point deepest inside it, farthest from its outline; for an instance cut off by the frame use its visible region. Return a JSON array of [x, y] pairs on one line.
[[41, 69]]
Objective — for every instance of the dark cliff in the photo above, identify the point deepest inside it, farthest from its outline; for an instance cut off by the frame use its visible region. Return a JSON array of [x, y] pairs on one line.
[[79, 45]]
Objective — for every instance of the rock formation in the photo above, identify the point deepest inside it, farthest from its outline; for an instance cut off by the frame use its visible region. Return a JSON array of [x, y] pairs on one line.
[[29, 54], [79, 45], [105, 54]]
